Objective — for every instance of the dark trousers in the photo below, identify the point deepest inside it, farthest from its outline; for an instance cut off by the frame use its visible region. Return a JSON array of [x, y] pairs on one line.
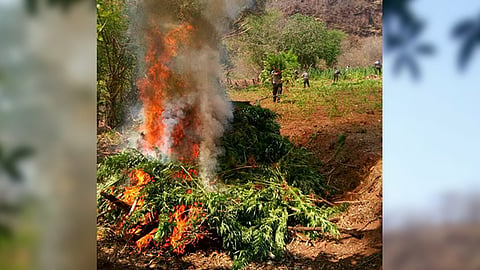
[[306, 82], [335, 77], [277, 91]]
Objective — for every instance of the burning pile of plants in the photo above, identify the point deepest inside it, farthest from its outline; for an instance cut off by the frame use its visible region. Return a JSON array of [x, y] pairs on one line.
[[202, 169], [263, 187]]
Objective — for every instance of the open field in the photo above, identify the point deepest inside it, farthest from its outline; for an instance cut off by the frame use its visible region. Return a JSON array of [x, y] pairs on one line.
[[315, 117]]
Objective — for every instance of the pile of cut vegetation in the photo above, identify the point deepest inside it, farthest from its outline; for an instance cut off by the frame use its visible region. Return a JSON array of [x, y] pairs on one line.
[[265, 187]]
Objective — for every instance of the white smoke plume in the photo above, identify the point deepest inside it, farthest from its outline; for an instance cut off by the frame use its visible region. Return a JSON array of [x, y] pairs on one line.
[[193, 88]]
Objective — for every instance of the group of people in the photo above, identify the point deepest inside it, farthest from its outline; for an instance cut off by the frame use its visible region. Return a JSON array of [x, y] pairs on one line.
[[278, 84], [377, 65]]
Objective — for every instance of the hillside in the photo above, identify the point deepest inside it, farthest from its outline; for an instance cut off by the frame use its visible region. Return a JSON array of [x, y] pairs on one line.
[[356, 17]]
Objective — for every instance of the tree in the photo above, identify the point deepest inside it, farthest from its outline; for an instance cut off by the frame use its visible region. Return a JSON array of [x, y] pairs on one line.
[[331, 48], [115, 62], [304, 36], [257, 36], [310, 40]]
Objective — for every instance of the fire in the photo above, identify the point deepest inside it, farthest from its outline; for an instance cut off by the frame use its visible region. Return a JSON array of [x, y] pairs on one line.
[[146, 240], [142, 178], [181, 225], [184, 218], [138, 179], [131, 194], [161, 85], [185, 137], [185, 175]]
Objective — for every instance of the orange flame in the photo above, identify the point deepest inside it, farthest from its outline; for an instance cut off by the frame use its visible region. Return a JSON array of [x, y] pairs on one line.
[[145, 240], [184, 219], [184, 175], [160, 85], [142, 178], [138, 179], [131, 194]]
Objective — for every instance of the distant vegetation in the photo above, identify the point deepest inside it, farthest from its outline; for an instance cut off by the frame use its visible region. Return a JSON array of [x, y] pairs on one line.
[[272, 33]]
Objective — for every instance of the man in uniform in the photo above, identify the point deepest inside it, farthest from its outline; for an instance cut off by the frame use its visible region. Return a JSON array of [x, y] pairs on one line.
[[277, 84], [336, 74], [378, 66], [306, 78]]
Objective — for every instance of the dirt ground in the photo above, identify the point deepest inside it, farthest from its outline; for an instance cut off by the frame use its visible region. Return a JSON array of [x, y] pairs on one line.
[[355, 174]]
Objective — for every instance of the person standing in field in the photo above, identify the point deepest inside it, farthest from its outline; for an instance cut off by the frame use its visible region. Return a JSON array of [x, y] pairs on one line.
[[336, 74], [306, 79], [277, 84], [378, 66]]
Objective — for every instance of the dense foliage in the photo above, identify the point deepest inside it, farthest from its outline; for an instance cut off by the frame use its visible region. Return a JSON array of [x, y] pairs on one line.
[[254, 141], [259, 35], [352, 73], [263, 186], [310, 40], [253, 138], [115, 62], [270, 33]]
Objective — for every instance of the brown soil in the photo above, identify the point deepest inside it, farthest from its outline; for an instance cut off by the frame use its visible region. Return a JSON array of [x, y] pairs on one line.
[[355, 174]]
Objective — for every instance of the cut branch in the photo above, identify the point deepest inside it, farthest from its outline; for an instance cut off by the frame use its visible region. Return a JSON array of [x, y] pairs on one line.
[[236, 169], [347, 165], [354, 233], [320, 200], [237, 33], [146, 229], [305, 229], [351, 202], [116, 201], [368, 223], [133, 207]]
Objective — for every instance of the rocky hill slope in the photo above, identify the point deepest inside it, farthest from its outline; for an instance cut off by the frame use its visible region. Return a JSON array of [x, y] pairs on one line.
[[356, 17]]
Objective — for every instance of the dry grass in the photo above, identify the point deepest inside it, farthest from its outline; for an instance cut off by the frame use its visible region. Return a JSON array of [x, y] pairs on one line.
[[343, 98], [359, 52]]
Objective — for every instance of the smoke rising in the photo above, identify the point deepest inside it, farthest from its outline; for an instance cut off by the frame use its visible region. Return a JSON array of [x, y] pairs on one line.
[[185, 107]]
